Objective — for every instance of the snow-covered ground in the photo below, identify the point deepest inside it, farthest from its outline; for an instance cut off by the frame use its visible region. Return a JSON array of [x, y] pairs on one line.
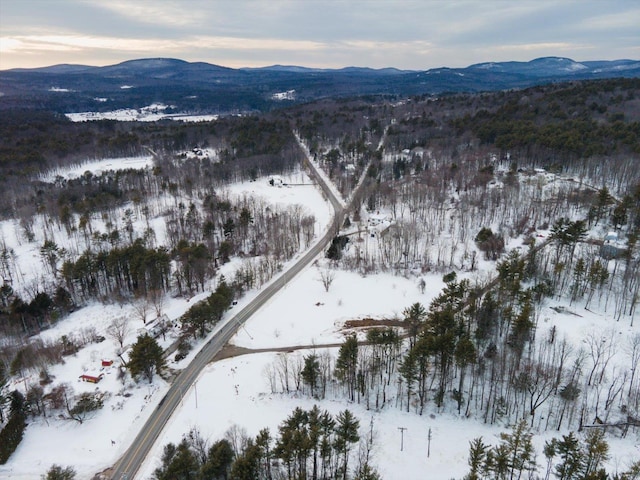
[[151, 113], [237, 390], [88, 446], [96, 167], [305, 314]]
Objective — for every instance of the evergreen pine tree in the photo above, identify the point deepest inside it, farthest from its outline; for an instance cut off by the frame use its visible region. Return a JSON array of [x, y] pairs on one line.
[[367, 472], [219, 460], [246, 465], [146, 357], [179, 463], [346, 433], [56, 472], [311, 372], [477, 459], [11, 434], [414, 317], [571, 458], [517, 449], [347, 364], [596, 452]]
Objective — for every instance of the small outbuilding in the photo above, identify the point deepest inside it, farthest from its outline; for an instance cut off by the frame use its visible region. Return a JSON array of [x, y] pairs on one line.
[[85, 377]]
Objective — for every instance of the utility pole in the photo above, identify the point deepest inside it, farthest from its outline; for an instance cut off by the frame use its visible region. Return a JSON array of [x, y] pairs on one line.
[[429, 443], [402, 429], [371, 431], [245, 330]]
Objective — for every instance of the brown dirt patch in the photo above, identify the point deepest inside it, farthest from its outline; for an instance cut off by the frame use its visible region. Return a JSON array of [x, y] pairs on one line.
[[373, 323], [229, 351]]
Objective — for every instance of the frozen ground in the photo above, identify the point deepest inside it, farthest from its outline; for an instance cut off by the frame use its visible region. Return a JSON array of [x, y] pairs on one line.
[[96, 167], [304, 314], [253, 407], [151, 113], [236, 390]]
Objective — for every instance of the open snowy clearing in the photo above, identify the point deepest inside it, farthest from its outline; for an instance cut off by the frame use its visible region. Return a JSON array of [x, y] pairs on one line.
[[97, 167], [151, 113], [304, 314], [236, 391]]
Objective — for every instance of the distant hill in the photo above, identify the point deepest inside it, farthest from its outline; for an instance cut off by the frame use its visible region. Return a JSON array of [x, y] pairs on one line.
[[561, 67], [199, 87]]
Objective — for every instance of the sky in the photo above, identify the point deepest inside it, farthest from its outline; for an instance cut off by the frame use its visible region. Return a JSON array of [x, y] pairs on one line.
[[406, 34]]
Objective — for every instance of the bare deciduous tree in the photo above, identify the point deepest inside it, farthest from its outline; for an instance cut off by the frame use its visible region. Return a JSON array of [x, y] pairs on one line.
[[118, 330], [326, 277], [633, 350], [156, 296], [237, 437], [142, 308]]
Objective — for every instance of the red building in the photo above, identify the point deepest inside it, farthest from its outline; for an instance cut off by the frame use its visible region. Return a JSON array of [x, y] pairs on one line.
[[91, 378]]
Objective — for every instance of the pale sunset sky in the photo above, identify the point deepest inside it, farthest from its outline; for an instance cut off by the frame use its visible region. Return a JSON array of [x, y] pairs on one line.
[[406, 34]]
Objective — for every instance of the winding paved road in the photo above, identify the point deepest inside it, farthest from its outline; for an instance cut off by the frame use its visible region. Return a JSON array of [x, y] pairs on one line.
[[129, 464]]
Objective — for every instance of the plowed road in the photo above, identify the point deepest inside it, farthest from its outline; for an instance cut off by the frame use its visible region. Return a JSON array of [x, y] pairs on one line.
[[129, 464]]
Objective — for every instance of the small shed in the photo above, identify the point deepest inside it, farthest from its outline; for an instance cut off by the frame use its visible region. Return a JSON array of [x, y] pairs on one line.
[[107, 363], [91, 378]]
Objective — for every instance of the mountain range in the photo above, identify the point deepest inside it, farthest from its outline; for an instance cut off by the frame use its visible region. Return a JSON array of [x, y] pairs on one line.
[[198, 87]]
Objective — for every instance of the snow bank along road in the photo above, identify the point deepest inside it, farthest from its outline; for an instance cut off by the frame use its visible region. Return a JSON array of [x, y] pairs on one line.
[[130, 462]]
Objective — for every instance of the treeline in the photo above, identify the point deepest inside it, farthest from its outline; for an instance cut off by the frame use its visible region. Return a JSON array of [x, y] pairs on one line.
[[310, 444], [581, 138], [43, 310], [32, 141], [199, 240], [258, 136], [209, 312], [569, 457], [109, 252]]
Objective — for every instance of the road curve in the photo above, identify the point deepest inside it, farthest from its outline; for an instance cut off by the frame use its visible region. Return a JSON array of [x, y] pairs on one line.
[[129, 464]]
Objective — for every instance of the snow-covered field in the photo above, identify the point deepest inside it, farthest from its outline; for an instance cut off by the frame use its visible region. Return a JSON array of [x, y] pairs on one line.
[[96, 167], [151, 113], [237, 391], [88, 446]]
